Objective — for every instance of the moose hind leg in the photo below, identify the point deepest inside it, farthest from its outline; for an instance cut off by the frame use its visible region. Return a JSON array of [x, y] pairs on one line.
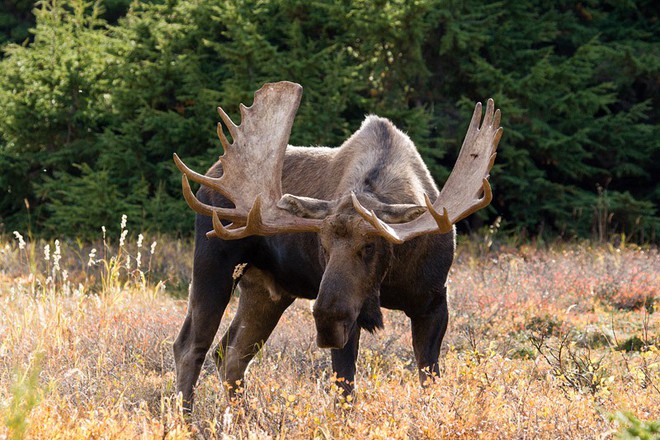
[[343, 363], [428, 330], [260, 307]]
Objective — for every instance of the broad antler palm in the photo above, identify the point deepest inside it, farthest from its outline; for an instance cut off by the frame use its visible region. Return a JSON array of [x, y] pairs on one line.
[[252, 168]]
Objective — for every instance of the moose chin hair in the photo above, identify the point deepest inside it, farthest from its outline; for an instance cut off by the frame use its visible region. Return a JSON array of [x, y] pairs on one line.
[[371, 317]]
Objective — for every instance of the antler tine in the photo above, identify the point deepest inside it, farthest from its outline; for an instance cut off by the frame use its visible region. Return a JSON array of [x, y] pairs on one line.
[[233, 129], [254, 223], [202, 179], [370, 216], [444, 224], [223, 139], [192, 201], [485, 199], [498, 115], [203, 208], [494, 155], [475, 120]]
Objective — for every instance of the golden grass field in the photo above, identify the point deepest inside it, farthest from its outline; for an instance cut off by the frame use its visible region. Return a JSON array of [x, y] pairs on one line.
[[559, 342]]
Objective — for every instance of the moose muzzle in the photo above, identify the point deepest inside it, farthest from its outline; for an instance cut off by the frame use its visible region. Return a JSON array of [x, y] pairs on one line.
[[333, 334], [335, 314]]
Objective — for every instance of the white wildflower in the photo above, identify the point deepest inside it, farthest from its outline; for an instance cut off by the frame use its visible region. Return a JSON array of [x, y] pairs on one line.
[[138, 260], [103, 229], [122, 239], [139, 242], [128, 261], [47, 252], [65, 275], [92, 258], [123, 221], [153, 247], [21, 242], [57, 255]]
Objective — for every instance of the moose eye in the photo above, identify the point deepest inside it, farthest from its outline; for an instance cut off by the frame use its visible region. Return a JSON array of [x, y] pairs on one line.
[[368, 251]]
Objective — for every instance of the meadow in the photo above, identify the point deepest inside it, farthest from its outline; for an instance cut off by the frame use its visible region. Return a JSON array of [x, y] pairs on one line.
[[555, 341]]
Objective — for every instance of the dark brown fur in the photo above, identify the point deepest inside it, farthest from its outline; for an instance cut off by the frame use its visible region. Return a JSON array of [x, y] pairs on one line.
[[350, 272]]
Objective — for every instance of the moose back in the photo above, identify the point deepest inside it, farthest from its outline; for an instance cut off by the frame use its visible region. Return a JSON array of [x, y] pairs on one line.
[[356, 228]]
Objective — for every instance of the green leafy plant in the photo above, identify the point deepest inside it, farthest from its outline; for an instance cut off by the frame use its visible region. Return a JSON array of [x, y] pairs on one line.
[[25, 396], [634, 428]]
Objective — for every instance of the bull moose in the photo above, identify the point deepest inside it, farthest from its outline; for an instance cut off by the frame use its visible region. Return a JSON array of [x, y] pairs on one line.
[[355, 228]]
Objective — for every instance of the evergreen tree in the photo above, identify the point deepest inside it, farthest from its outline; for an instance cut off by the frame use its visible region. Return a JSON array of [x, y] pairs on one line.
[[54, 95], [574, 140]]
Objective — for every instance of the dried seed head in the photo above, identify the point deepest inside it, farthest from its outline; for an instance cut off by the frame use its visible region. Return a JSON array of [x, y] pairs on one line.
[[238, 271]]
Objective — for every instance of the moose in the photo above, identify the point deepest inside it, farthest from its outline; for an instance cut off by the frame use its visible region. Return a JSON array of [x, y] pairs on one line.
[[356, 228]]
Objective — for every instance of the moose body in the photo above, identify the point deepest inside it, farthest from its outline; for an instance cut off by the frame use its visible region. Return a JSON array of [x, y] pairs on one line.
[[347, 242]]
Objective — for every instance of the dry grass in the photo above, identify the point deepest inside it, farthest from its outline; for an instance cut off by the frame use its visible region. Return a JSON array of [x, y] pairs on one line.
[[541, 344]]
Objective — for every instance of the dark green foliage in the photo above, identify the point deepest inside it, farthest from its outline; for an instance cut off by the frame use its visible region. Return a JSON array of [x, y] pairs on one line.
[[55, 101], [92, 111], [16, 19], [104, 199], [634, 343], [564, 79]]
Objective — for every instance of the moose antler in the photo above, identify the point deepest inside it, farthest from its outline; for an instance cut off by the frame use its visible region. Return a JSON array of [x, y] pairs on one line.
[[252, 174], [252, 168], [460, 196]]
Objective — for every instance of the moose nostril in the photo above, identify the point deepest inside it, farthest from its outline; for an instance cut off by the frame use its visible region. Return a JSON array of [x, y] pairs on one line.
[[332, 334]]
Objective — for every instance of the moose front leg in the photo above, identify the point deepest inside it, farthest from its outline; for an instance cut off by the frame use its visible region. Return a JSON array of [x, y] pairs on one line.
[[259, 309], [196, 335], [209, 295], [428, 330], [343, 363]]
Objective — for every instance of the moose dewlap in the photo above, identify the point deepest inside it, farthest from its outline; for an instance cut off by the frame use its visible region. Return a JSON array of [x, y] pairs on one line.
[[357, 227]]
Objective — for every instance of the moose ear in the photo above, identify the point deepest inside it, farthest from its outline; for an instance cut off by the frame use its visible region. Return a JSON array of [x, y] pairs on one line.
[[400, 213], [305, 207]]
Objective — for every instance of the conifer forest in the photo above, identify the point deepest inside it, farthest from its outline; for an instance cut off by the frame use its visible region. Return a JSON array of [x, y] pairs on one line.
[[97, 95]]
